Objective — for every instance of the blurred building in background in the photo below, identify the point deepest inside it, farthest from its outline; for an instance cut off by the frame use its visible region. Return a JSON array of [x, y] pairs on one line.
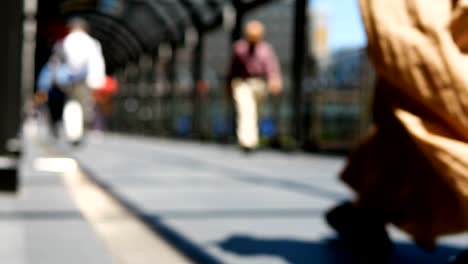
[[319, 33], [340, 95]]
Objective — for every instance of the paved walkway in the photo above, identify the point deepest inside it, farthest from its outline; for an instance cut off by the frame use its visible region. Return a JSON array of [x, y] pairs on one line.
[[221, 206], [62, 216], [42, 225]]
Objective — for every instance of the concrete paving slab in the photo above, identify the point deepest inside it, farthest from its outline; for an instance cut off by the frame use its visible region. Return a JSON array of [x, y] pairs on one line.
[[41, 223], [262, 208]]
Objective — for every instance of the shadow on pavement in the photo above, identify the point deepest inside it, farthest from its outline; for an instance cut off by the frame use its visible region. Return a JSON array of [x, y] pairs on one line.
[[247, 176], [327, 251], [35, 215], [251, 213]]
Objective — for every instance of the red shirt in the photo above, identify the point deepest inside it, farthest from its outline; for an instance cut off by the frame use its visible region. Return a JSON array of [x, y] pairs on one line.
[[257, 60]]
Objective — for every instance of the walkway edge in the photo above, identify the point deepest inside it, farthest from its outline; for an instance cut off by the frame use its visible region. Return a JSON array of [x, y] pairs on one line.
[[180, 242], [127, 238]]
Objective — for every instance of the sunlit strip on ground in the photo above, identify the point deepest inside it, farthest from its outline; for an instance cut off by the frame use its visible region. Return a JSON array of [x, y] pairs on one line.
[[59, 165], [129, 241]]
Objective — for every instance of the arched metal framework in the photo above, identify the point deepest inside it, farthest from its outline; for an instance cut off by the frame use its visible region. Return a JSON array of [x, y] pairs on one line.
[[129, 28], [133, 29]]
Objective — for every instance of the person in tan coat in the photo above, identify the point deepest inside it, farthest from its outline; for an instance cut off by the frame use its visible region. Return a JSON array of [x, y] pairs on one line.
[[412, 169]]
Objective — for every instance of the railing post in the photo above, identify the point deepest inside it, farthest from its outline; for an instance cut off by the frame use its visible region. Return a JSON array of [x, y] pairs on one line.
[[172, 78], [197, 68], [297, 75], [11, 29]]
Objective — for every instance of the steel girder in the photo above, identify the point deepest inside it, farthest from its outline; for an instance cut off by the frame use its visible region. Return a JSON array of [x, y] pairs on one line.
[[129, 28]]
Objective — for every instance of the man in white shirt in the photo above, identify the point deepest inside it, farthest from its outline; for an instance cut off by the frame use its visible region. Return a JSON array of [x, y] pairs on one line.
[[75, 68], [84, 58], [83, 54]]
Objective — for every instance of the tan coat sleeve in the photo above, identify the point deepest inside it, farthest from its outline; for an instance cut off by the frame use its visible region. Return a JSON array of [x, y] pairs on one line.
[[412, 48]]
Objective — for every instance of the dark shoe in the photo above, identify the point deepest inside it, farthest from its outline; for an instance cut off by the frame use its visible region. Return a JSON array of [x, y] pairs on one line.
[[247, 150], [76, 143], [362, 233], [461, 258], [338, 217]]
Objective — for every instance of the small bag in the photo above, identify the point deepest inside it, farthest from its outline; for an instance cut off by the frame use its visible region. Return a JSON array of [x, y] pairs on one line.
[[110, 87]]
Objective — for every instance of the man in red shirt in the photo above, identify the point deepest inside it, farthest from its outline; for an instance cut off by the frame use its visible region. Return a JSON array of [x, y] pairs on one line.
[[254, 70]]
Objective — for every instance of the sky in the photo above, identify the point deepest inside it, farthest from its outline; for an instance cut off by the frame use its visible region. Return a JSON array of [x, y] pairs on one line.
[[345, 25]]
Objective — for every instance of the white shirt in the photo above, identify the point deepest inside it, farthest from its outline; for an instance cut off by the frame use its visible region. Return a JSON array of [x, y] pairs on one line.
[[84, 54]]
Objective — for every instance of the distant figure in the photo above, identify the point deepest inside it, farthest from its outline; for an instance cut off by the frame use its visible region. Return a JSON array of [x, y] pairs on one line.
[[412, 169], [75, 67], [83, 55], [254, 70]]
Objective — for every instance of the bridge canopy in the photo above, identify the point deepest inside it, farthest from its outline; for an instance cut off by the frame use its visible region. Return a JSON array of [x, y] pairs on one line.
[[129, 28]]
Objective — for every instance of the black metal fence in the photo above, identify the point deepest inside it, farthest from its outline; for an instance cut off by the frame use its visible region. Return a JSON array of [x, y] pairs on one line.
[[335, 110]]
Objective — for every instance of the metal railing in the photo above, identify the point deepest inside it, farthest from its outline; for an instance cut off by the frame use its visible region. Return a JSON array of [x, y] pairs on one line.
[[336, 109]]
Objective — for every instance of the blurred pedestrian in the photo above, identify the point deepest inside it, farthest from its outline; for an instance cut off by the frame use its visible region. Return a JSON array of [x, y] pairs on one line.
[[412, 169], [75, 67], [254, 70], [52, 79], [83, 56]]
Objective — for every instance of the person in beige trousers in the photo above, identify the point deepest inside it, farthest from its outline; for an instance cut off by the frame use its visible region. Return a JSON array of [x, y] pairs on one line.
[[253, 73]]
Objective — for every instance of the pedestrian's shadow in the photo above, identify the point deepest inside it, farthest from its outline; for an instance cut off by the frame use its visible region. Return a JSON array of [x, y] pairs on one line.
[[328, 251]]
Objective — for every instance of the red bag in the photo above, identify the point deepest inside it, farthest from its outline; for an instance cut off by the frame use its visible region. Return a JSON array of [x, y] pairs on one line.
[[110, 87], [103, 95]]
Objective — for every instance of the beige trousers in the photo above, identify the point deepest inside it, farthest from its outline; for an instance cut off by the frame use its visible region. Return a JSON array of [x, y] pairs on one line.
[[83, 94], [248, 95]]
